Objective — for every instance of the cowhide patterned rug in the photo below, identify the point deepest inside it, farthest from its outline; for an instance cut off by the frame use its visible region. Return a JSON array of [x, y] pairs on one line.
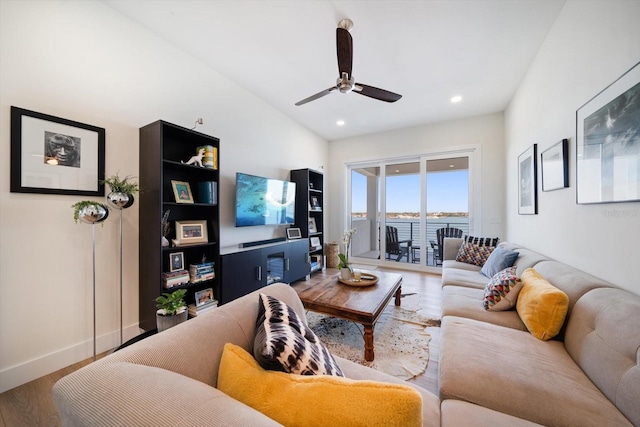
[[401, 344]]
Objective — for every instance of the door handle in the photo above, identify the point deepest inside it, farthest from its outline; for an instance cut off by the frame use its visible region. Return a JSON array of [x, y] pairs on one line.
[[259, 273], [286, 264]]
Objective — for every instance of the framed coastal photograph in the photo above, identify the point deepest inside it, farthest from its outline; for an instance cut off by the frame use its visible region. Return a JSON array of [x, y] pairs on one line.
[[527, 182], [555, 166], [191, 232], [203, 297], [52, 155], [176, 261], [312, 225], [182, 191], [608, 143]]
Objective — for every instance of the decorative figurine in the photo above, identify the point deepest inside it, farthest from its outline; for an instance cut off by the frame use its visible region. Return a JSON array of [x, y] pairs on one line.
[[197, 160]]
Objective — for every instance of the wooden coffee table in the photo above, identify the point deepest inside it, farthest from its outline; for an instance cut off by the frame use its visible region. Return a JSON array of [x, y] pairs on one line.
[[324, 294]]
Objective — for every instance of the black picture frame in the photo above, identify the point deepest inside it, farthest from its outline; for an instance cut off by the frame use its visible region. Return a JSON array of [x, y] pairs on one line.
[[176, 261], [40, 155], [608, 143], [554, 163], [527, 181]]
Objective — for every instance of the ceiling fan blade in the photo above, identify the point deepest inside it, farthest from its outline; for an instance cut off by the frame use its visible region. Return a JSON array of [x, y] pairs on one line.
[[316, 96], [344, 44], [374, 92]]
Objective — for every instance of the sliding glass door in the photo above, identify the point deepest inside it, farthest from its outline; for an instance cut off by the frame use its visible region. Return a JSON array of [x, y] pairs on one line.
[[397, 205]]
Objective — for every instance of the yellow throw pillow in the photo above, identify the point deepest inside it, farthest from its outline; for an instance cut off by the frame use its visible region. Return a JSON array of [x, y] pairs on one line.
[[541, 306], [316, 400]]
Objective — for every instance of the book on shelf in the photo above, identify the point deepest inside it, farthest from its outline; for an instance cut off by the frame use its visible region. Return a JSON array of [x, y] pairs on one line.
[[201, 272], [175, 278], [195, 311]]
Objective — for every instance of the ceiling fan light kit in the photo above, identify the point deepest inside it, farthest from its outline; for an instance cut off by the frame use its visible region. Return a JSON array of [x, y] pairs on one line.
[[346, 82]]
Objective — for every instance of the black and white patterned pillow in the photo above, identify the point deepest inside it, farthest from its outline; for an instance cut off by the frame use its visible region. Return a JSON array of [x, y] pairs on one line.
[[482, 241], [284, 343]]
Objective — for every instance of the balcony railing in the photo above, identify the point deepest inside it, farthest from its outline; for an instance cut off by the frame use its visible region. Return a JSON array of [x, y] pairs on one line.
[[408, 229]]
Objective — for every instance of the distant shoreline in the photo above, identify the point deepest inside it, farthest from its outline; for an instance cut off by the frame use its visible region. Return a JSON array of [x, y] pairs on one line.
[[416, 215]]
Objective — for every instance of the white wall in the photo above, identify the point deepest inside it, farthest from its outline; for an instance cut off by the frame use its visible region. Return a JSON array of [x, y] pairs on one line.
[[591, 45], [85, 62], [485, 132]]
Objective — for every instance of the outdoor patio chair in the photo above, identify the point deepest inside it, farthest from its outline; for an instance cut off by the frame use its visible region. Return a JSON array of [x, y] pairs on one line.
[[441, 233], [395, 247]]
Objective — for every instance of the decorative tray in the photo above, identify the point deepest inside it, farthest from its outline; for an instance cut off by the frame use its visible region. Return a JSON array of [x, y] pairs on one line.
[[366, 280]]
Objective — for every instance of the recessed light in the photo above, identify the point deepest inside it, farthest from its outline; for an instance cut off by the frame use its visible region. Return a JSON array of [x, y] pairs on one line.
[[456, 99], [451, 166], [340, 122]]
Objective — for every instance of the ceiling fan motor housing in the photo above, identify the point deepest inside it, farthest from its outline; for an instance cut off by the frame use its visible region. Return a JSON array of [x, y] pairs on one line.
[[344, 84]]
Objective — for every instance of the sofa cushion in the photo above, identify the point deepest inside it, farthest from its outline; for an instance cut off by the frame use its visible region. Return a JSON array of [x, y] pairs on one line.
[[316, 400], [467, 277], [513, 367], [501, 293], [499, 259], [603, 336], [473, 254], [284, 343], [467, 302], [456, 413], [541, 306]]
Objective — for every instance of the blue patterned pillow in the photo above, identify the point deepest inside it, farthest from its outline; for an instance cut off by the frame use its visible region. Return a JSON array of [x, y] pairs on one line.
[[284, 343]]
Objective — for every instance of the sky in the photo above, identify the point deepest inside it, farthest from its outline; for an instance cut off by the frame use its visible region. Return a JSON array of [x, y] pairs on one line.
[[446, 192]]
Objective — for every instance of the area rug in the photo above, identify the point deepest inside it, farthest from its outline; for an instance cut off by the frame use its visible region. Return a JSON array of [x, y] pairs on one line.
[[401, 344]]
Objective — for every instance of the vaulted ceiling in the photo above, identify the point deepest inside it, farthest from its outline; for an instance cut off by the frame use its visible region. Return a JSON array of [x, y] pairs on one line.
[[427, 51]]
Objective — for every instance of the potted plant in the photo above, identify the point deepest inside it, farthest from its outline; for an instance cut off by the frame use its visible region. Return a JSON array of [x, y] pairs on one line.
[[122, 191], [343, 265], [89, 211], [172, 309]]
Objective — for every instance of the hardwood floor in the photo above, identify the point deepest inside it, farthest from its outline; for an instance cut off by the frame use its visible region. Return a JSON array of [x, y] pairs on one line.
[[31, 404]]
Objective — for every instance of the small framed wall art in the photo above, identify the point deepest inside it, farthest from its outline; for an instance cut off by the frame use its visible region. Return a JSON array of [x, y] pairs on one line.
[[527, 181], [51, 155], [555, 166], [191, 232], [608, 143], [182, 191]]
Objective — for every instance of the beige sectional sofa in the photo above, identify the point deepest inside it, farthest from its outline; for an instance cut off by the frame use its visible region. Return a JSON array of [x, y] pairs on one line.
[[586, 376]]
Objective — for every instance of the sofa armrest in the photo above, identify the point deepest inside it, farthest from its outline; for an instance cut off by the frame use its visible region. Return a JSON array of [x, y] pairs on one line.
[[450, 247], [129, 394]]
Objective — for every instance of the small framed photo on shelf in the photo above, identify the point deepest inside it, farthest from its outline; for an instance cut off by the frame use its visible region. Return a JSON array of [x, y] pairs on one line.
[[312, 225], [315, 205], [191, 232], [204, 297], [182, 191], [176, 261], [311, 185], [555, 172], [315, 242], [293, 233]]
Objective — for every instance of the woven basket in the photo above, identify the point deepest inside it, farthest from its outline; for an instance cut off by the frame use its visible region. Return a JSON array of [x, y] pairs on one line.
[[332, 250]]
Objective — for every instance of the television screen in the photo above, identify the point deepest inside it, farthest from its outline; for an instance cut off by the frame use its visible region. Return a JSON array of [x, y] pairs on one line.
[[263, 201]]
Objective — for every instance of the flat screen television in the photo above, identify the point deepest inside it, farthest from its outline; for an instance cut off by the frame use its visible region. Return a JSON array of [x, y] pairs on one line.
[[264, 201]]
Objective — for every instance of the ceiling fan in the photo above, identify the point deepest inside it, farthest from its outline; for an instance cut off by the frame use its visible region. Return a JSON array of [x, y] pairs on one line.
[[346, 83]]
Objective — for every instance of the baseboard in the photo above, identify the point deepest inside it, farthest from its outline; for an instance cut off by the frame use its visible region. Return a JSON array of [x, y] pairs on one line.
[[18, 375]]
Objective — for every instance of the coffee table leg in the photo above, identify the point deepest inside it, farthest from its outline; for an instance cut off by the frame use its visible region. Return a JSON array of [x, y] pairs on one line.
[[398, 296], [368, 343]]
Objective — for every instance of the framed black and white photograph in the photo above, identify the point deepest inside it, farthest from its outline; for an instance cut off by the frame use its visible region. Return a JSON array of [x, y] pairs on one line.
[[203, 297], [312, 225], [293, 233], [176, 261], [191, 232], [555, 166], [52, 155], [315, 205], [608, 143], [527, 182], [182, 191], [314, 242]]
